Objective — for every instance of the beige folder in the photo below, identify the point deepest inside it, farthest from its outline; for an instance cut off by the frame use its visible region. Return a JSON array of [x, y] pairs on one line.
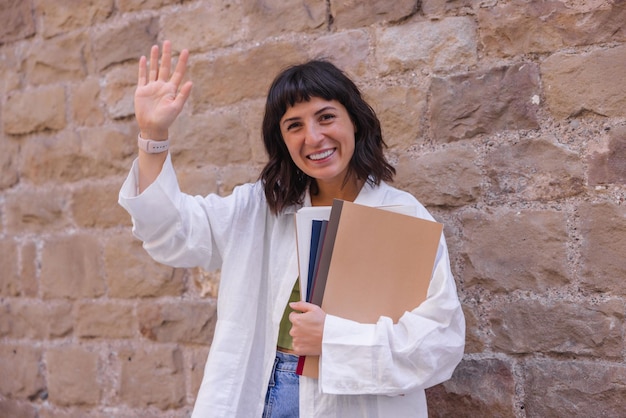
[[379, 264]]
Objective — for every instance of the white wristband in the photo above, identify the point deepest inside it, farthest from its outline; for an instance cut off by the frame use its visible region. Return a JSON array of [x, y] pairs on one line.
[[151, 146]]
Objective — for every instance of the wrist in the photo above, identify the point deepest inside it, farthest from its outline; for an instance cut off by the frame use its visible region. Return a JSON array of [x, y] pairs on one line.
[[152, 146], [154, 135]]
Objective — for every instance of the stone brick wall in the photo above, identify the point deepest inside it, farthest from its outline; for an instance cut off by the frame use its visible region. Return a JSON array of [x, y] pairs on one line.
[[506, 118]]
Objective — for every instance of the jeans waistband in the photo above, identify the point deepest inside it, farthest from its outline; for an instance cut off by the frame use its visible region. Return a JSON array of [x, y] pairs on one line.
[[286, 362]]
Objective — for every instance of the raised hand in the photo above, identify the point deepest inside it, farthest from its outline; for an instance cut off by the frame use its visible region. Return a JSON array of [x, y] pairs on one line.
[[159, 97]]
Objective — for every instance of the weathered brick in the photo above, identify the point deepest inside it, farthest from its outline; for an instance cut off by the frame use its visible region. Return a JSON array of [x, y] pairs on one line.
[[479, 388], [242, 75], [272, 17], [85, 103], [135, 5], [35, 110], [595, 82], [14, 408], [606, 166], [38, 320], [29, 280], [221, 23], [252, 113], [446, 44], [522, 27], [474, 332], [217, 137], [534, 170], [105, 320], [469, 104], [235, 175], [354, 14], [63, 58], [401, 110], [603, 245], [152, 377], [549, 326], [71, 267], [447, 177], [198, 181], [23, 364], [119, 89], [16, 20], [124, 41], [571, 387], [183, 322], [73, 376], [69, 15], [104, 198], [10, 278], [35, 210], [197, 359], [506, 250], [132, 273], [348, 50], [8, 162]]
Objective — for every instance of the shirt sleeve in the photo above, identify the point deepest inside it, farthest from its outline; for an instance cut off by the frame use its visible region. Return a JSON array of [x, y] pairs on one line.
[[173, 226], [420, 351]]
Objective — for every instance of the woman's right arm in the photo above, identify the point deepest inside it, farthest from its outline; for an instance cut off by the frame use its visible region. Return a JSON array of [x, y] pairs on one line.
[[159, 99]]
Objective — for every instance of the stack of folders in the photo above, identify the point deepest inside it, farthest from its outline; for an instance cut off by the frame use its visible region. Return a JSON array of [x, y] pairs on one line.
[[360, 263]]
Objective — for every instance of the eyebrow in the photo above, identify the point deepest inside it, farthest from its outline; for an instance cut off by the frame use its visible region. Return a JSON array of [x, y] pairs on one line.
[[322, 110]]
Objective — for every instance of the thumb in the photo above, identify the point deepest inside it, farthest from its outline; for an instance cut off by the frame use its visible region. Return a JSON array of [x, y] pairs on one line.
[[302, 306]]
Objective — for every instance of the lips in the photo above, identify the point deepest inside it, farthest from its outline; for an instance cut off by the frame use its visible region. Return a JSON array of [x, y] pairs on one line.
[[321, 155]]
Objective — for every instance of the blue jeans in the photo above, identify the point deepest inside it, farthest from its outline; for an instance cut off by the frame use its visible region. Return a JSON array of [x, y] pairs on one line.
[[282, 399]]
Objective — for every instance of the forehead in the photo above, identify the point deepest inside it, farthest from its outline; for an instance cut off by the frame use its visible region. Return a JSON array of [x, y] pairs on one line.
[[310, 106]]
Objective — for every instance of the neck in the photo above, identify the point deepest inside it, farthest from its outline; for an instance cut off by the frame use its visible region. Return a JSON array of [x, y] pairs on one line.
[[327, 192]]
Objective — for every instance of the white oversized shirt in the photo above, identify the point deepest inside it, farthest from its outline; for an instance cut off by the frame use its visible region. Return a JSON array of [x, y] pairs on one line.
[[256, 252]]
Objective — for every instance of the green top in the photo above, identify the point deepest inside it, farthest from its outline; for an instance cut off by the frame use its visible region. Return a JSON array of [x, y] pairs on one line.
[[284, 339]]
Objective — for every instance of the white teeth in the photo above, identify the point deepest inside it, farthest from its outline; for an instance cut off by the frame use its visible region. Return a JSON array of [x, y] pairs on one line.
[[321, 155]]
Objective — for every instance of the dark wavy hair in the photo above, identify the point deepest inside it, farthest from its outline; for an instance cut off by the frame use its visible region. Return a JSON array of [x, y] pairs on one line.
[[284, 183]]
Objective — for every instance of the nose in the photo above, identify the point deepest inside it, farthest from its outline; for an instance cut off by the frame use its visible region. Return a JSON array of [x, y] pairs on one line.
[[313, 134]]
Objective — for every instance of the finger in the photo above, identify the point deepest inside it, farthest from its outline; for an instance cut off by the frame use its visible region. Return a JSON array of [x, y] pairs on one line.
[[181, 67], [141, 74], [183, 94], [166, 61], [302, 306], [154, 62]]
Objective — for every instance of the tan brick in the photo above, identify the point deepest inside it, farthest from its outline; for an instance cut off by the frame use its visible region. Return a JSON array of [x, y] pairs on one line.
[[71, 267], [73, 376], [348, 50], [447, 177], [35, 110], [23, 364], [109, 150], [34, 319], [521, 27], [183, 322], [274, 17], [221, 23], [243, 75], [95, 206], [105, 320], [507, 250], [353, 14], [593, 82], [252, 113], [198, 181], [479, 388], [217, 137], [197, 359], [63, 58], [549, 326], [401, 110], [10, 278], [502, 98], [29, 276], [446, 44], [135, 5], [132, 273], [36, 210], [16, 20], [127, 40], [534, 170], [152, 377], [8, 162], [14, 408], [85, 101], [573, 387], [119, 89], [235, 175], [603, 245], [69, 15]]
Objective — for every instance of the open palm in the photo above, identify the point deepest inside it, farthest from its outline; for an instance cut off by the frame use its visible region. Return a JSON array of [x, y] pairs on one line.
[[159, 97]]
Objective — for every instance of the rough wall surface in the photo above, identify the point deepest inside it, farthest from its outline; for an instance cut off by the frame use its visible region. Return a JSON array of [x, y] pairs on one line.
[[506, 118]]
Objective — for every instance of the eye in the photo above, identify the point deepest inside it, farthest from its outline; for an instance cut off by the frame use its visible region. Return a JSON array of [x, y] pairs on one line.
[[293, 125], [327, 117]]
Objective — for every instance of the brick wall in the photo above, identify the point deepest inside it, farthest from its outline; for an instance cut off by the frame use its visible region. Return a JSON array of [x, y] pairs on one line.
[[507, 119]]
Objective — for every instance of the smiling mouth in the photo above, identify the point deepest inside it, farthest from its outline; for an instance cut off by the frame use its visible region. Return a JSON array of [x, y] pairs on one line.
[[321, 155]]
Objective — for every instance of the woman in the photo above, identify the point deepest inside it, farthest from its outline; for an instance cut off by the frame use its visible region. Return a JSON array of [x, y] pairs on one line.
[[323, 142]]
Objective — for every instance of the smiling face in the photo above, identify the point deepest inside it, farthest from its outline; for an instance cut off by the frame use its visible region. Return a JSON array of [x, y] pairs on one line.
[[319, 135]]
